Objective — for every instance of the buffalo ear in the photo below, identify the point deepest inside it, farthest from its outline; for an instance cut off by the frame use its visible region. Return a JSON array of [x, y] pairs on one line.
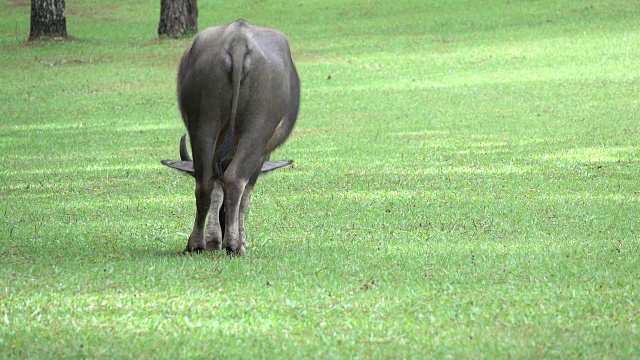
[[272, 165], [185, 166]]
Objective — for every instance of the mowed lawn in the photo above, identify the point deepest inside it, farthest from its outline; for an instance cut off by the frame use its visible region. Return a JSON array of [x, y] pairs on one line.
[[466, 185]]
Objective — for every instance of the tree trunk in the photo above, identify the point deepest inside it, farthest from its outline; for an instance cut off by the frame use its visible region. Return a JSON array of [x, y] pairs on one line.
[[178, 18], [48, 18]]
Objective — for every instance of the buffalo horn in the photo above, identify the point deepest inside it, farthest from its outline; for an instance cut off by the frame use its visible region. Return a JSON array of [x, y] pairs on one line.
[[184, 153]]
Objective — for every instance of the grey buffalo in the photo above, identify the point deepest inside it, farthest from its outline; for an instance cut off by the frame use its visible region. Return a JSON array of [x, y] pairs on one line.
[[239, 95]]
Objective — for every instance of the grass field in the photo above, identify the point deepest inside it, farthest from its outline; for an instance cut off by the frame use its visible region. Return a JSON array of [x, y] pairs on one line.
[[466, 185]]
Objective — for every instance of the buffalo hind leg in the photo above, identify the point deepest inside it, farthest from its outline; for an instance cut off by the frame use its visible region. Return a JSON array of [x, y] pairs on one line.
[[238, 178], [244, 207], [203, 166], [215, 225], [233, 190]]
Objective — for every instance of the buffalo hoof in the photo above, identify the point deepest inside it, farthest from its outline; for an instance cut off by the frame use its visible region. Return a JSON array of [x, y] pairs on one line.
[[194, 248], [213, 246], [240, 251], [197, 250]]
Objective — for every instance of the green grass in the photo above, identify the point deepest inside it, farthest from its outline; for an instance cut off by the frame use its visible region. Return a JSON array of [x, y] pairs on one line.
[[465, 186]]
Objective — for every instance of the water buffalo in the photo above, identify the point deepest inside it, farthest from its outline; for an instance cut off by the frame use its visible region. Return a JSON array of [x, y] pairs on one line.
[[239, 95]]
